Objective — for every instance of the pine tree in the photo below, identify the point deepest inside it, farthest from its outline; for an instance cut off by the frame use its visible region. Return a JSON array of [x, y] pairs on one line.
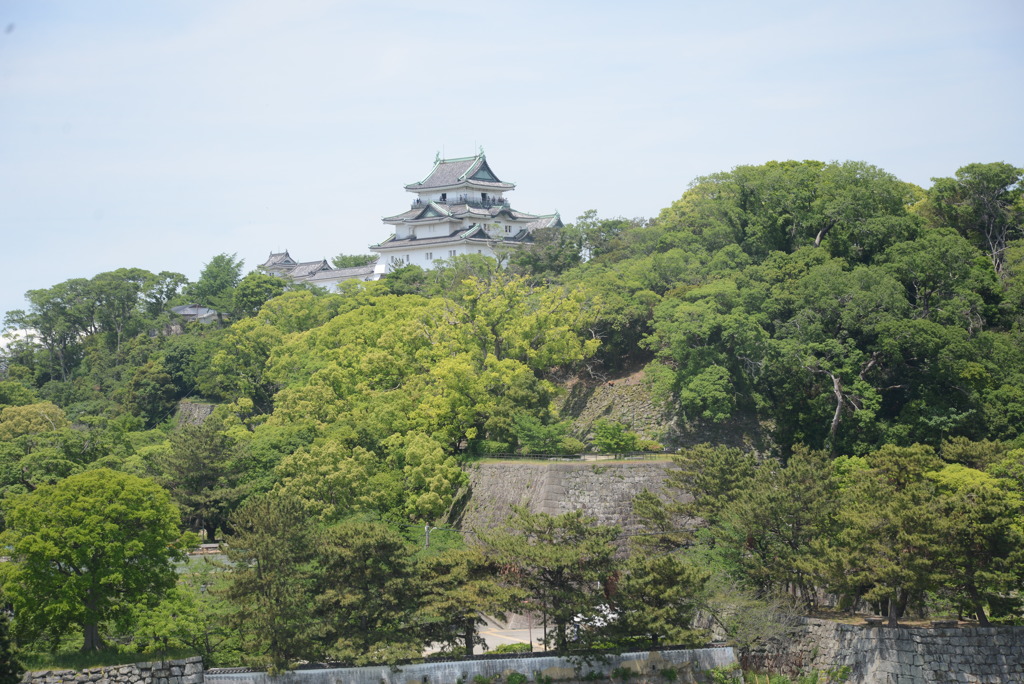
[[10, 668]]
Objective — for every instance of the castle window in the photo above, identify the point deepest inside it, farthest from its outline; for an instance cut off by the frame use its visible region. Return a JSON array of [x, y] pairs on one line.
[[430, 256], [508, 229], [444, 196], [451, 252]]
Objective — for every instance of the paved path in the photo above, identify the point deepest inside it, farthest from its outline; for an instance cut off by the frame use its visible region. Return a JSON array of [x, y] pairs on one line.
[[495, 637]]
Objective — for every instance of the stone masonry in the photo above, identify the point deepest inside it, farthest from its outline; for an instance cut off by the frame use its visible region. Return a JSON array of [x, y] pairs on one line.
[[904, 655], [603, 489], [187, 671]]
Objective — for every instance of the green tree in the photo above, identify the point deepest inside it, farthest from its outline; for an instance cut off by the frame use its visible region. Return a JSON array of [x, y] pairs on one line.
[[367, 594], [253, 291], [200, 469], [459, 587], [31, 419], [216, 285], [271, 586], [353, 260], [59, 316], [560, 561], [711, 476], [410, 279], [552, 251], [945, 281], [85, 549], [657, 599], [10, 669], [890, 541], [120, 310], [983, 203], [771, 529], [612, 437], [536, 437], [982, 538]]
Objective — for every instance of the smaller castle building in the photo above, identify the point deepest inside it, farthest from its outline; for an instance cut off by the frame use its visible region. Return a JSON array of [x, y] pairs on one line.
[[319, 273]]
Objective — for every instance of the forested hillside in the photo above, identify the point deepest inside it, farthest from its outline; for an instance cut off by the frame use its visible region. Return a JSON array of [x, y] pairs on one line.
[[873, 329]]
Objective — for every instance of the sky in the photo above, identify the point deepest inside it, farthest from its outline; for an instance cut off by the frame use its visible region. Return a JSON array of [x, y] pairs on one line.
[[158, 134]]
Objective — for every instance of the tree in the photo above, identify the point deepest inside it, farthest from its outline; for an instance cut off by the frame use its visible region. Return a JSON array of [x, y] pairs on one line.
[[711, 475], [943, 277], [59, 316], [983, 203], [31, 419], [560, 561], [201, 472], [216, 285], [353, 260], [982, 539], [10, 668], [367, 594], [553, 250], [890, 539], [772, 528], [459, 587], [271, 586], [87, 548], [612, 437], [536, 437], [410, 279], [253, 291], [119, 302], [656, 599]]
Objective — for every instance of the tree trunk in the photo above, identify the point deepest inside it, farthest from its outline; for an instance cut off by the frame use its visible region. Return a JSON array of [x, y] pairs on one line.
[[563, 639], [468, 636], [92, 641], [978, 603], [893, 613], [91, 630]]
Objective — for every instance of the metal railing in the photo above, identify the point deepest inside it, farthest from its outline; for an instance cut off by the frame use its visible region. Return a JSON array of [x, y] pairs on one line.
[[626, 455], [465, 199]]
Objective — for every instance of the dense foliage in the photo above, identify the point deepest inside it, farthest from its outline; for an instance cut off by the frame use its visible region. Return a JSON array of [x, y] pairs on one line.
[[870, 328]]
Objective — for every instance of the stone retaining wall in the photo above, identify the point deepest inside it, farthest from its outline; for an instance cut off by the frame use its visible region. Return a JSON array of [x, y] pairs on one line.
[[187, 671], [904, 655], [657, 667], [603, 489], [193, 413]]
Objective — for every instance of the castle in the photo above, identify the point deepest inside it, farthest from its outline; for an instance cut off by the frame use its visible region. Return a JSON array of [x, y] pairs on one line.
[[460, 208]]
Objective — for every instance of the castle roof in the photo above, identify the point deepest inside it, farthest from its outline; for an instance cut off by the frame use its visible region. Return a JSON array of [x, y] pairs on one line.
[[308, 268], [431, 211], [339, 274], [475, 233], [449, 173], [548, 221], [278, 259]]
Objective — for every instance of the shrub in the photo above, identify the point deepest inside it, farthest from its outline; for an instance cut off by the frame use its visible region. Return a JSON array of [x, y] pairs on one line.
[[513, 648], [611, 437]]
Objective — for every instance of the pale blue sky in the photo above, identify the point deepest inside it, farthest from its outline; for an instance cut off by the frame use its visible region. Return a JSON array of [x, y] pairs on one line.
[[157, 134]]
